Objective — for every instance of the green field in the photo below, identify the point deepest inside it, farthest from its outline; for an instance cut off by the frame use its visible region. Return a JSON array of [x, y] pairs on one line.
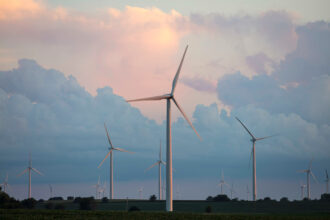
[[273, 207], [19, 214], [117, 209]]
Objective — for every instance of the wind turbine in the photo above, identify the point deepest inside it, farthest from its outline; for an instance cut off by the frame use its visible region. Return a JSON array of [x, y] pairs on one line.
[[103, 189], [302, 187], [140, 192], [159, 163], [327, 181], [232, 191], [253, 152], [50, 190], [222, 182], [5, 183], [309, 172], [29, 169], [168, 98], [247, 192], [111, 149], [97, 188]]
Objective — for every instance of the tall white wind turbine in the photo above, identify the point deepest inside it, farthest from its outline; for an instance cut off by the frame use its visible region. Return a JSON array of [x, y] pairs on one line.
[[253, 152], [222, 182], [168, 98], [5, 183], [160, 162], [110, 153], [29, 169], [326, 181], [309, 173]]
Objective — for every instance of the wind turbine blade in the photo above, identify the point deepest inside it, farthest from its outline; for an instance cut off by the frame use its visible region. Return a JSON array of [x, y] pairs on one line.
[[24, 171], [160, 151], [310, 164], [154, 98], [106, 130], [245, 128], [105, 158], [314, 177], [37, 171], [258, 139], [122, 150], [151, 166], [185, 116], [175, 80], [302, 171]]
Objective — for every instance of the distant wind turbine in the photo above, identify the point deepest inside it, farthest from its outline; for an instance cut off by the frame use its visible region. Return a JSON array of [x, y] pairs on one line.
[[5, 183], [140, 192], [103, 189], [97, 188], [111, 149], [232, 191], [327, 181], [247, 192], [168, 98], [159, 163], [309, 173], [253, 152], [302, 187], [29, 169], [222, 182], [50, 190]]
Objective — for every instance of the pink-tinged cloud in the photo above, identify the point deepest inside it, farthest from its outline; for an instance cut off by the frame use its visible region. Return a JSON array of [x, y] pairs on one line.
[[260, 63], [136, 50]]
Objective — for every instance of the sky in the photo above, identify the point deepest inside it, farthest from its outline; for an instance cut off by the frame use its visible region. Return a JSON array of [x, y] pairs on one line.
[[67, 67]]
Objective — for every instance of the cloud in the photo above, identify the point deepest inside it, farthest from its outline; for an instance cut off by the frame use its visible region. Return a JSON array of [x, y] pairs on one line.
[[200, 84], [310, 59], [271, 29], [297, 85]]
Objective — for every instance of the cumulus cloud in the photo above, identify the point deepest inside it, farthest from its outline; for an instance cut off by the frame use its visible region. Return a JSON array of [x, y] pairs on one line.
[[311, 57], [297, 85]]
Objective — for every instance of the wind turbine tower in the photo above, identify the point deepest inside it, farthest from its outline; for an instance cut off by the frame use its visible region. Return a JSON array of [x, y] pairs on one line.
[[254, 176], [309, 173], [160, 162], [168, 98], [110, 153], [29, 169]]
